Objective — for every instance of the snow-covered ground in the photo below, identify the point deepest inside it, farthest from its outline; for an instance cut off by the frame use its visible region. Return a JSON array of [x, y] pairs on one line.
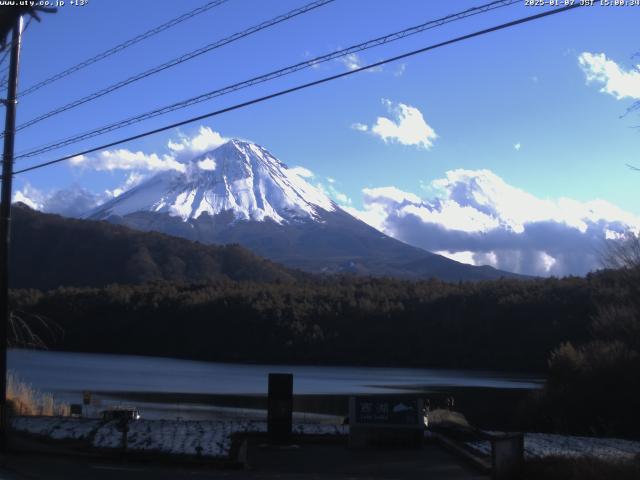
[[207, 438], [537, 445], [56, 428], [213, 438]]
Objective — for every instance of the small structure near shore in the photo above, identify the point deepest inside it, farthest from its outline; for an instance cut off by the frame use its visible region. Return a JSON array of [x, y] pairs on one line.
[[385, 421], [507, 455], [280, 406]]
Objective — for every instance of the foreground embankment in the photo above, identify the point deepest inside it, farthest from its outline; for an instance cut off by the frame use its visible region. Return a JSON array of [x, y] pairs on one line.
[[206, 439], [214, 439]]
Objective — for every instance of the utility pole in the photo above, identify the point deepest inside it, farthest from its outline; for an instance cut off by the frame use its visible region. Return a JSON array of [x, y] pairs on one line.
[[5, 217]]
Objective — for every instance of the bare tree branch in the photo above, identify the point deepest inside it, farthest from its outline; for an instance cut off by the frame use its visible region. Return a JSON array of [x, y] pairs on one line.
[[22, 326], [622, 253]]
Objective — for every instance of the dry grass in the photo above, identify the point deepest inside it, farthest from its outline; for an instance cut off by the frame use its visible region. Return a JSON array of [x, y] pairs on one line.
[[23, 399]]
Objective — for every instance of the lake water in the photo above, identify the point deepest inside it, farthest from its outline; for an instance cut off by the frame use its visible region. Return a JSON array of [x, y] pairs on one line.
[[67, 374]]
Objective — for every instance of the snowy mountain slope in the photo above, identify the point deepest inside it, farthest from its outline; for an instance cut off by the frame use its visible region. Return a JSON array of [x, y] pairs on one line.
[[240, 193], [237, 177]]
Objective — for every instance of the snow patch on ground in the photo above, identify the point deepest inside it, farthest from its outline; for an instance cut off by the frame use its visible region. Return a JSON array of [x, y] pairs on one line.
[[538, 445], [206, 438], [213, 438], [56, 428]]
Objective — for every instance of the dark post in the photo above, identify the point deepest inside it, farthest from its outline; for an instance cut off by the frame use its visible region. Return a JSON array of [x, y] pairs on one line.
[[5, 218], [280, 406], [124, 425], [507, 456]]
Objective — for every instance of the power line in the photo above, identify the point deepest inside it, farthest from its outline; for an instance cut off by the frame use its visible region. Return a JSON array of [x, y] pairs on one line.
[[306, 85], [178, 60], [270, 76], [118, 48]]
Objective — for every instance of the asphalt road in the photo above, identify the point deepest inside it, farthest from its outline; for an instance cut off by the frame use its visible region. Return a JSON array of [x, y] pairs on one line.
[[304, 462]]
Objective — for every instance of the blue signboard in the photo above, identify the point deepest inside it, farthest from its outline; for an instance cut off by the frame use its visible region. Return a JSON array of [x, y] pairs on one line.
[[386, 411]]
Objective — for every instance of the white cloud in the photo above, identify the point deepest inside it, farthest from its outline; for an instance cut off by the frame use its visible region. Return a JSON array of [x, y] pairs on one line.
[[615, 80], [351, 61], [462, 257], [393, 193], [30, 196], [361, 127], [333, 193], [302, 172], [176, 146], [375, 205], [340, 197], [123, 159], [138, 164], [71, 202], [133, 179], [180, 153], [478, 218], [398, 72], [328, 189], [517, 146], [206, 139], [207, 163], [75, 201], [407, 126], [78, 160], [308, 56]]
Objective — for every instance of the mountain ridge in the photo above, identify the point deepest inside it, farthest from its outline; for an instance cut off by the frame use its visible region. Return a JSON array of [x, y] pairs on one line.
[[50, 251], [240, 193]]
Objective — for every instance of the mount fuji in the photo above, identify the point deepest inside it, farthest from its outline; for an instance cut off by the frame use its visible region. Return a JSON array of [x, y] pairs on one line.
[[240, 193]]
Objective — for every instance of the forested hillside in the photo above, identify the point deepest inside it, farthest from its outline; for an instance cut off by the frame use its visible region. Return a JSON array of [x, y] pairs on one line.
[[506, 324], [50, 251]]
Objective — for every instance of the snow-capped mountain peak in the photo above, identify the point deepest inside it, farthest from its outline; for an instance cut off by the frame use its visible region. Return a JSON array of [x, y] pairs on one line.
[[240, 193], [238, 177]]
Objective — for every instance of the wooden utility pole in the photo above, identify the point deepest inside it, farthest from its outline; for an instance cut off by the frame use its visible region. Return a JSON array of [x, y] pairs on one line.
[[5, 217]]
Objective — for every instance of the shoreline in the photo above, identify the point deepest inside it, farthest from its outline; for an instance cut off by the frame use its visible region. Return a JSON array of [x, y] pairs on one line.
[[484, 407], [532, 375]]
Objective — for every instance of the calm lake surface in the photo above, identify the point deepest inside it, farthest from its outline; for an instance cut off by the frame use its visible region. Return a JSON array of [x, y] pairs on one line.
[[67, 374]]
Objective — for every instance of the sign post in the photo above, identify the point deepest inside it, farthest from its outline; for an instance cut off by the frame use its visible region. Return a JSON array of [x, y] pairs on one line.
[[385, 420], [280, 406], [507, 455], [86, 401], [75, 410]]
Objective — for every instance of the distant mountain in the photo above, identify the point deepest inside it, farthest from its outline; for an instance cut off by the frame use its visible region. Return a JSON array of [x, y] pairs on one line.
[[240, 193], [49, 251]]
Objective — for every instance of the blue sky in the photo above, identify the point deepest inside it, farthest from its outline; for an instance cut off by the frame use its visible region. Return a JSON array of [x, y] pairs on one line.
[[514, 106]]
